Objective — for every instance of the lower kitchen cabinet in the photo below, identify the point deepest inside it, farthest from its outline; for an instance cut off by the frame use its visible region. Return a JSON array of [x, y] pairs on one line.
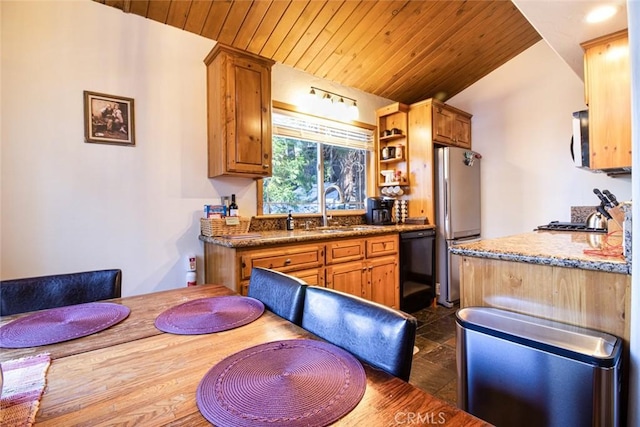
[[366, 267], [383, 285], [374, 273], [348, 277], [375, 279]]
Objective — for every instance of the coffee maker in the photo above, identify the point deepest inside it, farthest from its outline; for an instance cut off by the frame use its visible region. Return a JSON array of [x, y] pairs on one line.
[[379, 211]]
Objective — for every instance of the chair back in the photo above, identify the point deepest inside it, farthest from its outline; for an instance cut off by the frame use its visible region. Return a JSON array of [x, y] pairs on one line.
[[39, 293], [376, 334], [279, 292]]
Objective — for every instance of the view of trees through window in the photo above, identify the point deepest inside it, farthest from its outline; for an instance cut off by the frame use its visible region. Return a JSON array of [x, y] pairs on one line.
[[294, 185]]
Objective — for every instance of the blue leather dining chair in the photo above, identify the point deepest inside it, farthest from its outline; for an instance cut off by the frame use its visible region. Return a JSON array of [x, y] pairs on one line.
[[376, 334], [280, 293], [39, 293]]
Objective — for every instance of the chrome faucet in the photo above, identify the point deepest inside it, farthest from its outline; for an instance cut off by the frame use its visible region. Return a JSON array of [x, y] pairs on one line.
[[323, 202]]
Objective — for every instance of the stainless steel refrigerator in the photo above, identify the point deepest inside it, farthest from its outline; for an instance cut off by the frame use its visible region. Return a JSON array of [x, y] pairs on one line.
[[457, 173]]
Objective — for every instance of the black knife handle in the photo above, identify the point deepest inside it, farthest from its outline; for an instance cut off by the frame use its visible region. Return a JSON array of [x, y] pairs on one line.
[[611, 198], [602, 198]]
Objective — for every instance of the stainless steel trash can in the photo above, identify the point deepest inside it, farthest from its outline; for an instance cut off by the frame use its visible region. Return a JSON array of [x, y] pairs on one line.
[[519, 370]]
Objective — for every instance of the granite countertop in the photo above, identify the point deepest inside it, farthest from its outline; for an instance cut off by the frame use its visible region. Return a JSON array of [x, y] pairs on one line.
[[266, 238], [588, 251]]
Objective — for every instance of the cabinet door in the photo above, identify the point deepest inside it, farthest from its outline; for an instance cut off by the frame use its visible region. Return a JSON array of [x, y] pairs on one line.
[[383, 285], [443, 124], [238, 113], [349, 277], [462, 131], [608, 93], [249, 117]]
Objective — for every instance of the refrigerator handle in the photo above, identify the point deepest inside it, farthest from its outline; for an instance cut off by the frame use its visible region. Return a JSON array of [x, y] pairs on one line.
[[445, 200]]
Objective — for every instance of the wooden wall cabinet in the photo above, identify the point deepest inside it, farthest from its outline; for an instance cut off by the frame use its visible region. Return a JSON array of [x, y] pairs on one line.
[[239, 113], [392, 141], [367, 267], [451, 126], [608, 94]]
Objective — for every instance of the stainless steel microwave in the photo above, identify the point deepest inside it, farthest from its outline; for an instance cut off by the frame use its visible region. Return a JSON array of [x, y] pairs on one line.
[[580, 139], [580, 146]]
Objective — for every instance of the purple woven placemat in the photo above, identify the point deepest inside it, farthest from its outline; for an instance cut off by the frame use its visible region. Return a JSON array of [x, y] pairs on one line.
[[61, 324], [208, 315], [282, 383]]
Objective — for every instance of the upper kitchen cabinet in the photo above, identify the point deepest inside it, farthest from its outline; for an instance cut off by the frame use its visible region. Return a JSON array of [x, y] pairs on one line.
[[451, 126], [239, 113], [608, 95], [392, 165]]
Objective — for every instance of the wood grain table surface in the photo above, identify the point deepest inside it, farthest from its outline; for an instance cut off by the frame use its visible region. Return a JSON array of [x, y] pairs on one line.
[[134, 374]]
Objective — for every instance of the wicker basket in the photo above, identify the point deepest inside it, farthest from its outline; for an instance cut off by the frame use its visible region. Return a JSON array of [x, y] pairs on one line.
[[211, 227]]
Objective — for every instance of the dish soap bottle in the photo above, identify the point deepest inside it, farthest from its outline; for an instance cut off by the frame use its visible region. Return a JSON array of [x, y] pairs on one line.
[[290, 224]]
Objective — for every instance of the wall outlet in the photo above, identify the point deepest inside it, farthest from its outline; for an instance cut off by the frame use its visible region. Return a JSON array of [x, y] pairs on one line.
[[437, 288]]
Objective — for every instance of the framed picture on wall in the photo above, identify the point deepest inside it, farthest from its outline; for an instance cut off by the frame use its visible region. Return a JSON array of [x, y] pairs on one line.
[[108, 119]]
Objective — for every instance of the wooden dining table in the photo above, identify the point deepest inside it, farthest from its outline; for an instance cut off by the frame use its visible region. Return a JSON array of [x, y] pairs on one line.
[[134, 374]]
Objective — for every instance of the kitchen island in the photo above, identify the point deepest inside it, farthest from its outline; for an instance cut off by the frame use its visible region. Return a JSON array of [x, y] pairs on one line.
[[587, 251], [569, 277], [576, 278]]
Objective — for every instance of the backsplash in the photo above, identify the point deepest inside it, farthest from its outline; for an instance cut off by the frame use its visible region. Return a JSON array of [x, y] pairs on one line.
[[580, 213], [268, 223]]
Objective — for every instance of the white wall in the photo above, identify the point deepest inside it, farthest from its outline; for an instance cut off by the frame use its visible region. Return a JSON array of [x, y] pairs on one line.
[[71, 206], [522, 128]]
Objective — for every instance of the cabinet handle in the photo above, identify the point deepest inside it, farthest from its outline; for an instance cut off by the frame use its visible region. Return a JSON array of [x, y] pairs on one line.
[[287, 261], [265, 166]]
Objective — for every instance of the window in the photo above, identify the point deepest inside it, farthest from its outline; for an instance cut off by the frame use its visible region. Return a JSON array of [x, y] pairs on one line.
[[303, 145]]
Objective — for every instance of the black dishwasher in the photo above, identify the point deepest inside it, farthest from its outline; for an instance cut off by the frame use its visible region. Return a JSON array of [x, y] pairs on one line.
[[417, 269]]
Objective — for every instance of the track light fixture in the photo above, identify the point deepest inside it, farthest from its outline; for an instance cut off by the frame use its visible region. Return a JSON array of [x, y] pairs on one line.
[[334, 105]]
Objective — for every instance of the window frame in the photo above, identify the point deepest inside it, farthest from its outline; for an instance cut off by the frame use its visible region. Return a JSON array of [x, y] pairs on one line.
[[370, 159]]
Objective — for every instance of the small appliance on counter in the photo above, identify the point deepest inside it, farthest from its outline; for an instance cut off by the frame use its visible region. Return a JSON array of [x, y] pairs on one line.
[[379, 211]]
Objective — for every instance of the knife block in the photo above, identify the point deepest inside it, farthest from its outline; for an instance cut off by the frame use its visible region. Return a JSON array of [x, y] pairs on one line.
[[614, 225]]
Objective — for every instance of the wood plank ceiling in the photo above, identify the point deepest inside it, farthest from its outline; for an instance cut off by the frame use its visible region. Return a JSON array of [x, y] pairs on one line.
[[402, 50]]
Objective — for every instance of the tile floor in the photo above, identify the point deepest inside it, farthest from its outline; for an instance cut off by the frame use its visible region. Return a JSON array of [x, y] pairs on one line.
[[434, 366]]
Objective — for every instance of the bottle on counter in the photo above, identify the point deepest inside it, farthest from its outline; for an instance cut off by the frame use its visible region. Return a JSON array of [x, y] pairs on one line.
[[233, 207], [191, 278], [290, 223]]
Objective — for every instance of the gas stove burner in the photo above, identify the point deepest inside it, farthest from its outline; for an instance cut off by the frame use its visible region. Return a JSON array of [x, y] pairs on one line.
[[570, 226]]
